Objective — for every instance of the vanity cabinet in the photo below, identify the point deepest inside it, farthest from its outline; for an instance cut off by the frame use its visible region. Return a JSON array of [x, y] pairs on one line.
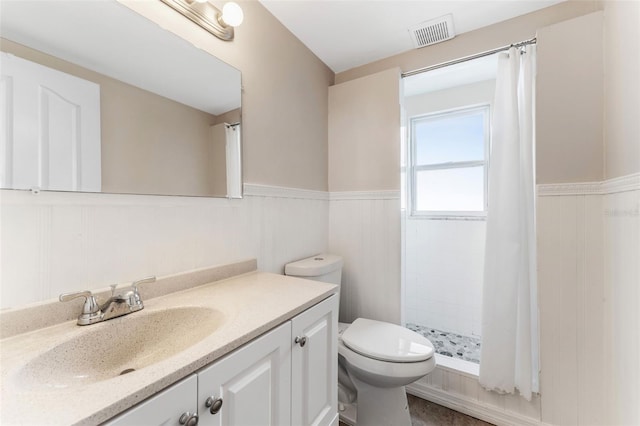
[[287, 376]]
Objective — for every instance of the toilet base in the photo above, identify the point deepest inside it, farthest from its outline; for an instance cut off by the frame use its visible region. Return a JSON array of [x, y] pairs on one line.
[[348, 413], [381, 406]]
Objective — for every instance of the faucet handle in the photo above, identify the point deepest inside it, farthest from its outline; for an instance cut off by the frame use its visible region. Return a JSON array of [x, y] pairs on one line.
[[90, 310], [134, 297], [90, 305], [134, 285]]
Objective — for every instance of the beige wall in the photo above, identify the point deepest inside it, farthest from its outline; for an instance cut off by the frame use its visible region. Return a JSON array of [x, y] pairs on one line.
[[229, 117], [153, 145], [569, 143], [622, 87], [150, 144], [569, 100], [284, 102], [364, 133]]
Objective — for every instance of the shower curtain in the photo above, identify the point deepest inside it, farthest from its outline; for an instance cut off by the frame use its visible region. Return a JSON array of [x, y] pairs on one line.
[[509, 352]]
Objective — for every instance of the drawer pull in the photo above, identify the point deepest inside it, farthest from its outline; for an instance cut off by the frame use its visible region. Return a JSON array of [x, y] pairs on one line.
[[188, 419], [213, 405]]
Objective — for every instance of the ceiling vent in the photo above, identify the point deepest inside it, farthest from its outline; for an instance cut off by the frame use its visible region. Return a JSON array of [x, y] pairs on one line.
[[433, 31]]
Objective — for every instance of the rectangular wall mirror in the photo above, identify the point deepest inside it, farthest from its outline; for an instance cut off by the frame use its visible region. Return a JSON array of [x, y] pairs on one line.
[[96, 98]]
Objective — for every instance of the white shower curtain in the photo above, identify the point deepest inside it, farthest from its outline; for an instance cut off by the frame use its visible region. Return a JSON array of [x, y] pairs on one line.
[[509, 352]]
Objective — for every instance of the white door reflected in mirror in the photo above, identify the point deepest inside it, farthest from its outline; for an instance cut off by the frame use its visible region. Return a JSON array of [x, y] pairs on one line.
[[53, 118]]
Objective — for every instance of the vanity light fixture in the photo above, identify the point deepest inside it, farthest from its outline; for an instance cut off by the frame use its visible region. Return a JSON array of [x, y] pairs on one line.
[[202, 12]]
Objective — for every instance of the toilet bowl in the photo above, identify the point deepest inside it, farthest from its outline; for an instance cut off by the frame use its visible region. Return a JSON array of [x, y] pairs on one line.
[[380, 359], [375, 359]]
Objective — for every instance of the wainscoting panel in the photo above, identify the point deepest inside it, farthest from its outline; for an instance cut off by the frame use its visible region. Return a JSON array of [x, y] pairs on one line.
[[463, 393], [364, 228], [288, 226], [61, 242], [571, 290], [622, 266]]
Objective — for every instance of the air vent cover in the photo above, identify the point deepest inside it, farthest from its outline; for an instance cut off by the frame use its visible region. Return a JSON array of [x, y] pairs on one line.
[[433, 31]]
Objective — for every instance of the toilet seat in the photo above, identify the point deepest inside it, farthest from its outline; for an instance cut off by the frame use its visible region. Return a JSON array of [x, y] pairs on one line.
[[384, 373], [386, 342]]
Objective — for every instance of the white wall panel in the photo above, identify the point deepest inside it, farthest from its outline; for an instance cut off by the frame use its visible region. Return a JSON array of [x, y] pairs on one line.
[[589, 246], [557, 284], [571, 285], [365, 231], [622, 272], [590, 316], [462, 392], [61, 242]]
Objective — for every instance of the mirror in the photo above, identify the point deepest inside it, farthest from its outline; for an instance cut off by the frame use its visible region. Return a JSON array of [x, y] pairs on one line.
[[97, 98]]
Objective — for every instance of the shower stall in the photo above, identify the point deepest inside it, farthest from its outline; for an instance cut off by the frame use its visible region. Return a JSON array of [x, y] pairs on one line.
[[445, 148]]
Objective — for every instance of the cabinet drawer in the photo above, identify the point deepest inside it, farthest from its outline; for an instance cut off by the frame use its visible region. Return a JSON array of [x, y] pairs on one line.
[[164, 408]]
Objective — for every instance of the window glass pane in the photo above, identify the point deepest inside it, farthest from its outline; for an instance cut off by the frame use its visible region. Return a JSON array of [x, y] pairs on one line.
[[449, 138], [460, 189]]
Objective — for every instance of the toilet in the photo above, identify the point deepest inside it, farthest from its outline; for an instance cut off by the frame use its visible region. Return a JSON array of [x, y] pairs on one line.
[[375, 359]]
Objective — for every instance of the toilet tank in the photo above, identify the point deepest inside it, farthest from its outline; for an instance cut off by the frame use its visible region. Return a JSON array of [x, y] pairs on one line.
[[322, 267]]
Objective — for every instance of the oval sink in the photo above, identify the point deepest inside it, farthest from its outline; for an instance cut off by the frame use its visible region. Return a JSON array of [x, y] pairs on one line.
[[120, 346]]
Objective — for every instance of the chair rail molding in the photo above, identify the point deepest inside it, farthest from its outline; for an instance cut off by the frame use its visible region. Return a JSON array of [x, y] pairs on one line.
[[610, 186]]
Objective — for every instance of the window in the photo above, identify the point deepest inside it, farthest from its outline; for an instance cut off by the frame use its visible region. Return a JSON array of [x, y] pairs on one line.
[[448, 162]]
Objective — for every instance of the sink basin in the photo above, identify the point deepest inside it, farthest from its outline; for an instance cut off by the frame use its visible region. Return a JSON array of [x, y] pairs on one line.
[[120, 346]]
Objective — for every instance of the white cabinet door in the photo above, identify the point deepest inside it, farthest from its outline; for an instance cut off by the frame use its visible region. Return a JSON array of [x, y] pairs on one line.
[[314, 371], [254, 383], [50, 128], [164, 408]]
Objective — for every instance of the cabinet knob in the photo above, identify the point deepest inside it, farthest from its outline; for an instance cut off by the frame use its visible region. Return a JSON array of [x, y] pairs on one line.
[[188, 419], [213, 405], [301, 341]]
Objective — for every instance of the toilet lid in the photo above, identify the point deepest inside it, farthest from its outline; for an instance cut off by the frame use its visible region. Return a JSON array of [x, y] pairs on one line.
[[386, 342]]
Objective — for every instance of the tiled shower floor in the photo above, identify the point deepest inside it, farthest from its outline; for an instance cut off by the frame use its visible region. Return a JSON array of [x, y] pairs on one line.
[[450, 344]]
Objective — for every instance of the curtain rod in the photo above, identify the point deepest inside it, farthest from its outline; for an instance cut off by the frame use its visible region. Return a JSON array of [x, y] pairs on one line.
[[467, 58]]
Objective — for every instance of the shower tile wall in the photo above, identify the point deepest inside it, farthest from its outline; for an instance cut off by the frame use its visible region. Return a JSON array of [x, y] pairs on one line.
[[443, 281]]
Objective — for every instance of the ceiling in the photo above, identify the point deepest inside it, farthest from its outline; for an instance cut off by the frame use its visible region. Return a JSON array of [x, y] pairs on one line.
[[347, 33]]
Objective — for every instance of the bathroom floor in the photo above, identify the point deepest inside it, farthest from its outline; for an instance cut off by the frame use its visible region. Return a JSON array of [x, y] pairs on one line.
[[451, 344], [426, 413]]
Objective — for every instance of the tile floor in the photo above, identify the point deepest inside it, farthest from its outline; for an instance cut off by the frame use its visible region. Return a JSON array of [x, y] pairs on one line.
[[451, 344], [425, 413]]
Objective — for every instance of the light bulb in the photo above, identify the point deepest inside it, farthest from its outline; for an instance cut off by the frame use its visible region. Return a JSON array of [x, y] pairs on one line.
[[232, 14]]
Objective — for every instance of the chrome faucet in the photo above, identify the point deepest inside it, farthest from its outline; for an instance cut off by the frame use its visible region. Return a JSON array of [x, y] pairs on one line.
[[120, 303]]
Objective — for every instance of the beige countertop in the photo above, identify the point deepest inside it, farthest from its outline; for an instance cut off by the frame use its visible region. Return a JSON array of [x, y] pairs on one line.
[[245, 306]]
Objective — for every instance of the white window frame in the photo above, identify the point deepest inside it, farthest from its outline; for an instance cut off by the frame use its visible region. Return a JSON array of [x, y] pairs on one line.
[[485, 108]]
